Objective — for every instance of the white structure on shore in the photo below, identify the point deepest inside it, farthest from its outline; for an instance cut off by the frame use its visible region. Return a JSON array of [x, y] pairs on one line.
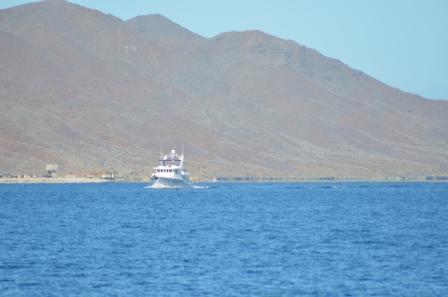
[[51, 170], [171, 172]]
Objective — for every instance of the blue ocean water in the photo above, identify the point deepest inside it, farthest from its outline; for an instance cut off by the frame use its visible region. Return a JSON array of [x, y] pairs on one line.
[[335, 239]]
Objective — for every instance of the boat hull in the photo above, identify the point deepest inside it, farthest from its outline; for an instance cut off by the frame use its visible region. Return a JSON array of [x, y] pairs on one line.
[[163, 182]]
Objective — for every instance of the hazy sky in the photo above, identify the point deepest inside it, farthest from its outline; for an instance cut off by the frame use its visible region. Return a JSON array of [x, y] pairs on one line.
[[403, 43]]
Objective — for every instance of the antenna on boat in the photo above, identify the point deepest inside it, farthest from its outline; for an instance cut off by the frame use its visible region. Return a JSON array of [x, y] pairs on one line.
[[161, 151], [182, 157]]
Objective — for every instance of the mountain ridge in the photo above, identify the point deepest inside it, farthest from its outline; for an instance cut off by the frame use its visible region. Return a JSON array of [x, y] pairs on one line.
[[93, 92]]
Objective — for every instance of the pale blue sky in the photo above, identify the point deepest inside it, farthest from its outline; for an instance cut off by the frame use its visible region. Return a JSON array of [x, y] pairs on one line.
[[403, 43]]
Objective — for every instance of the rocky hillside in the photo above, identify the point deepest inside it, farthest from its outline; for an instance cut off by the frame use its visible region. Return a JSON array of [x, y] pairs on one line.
[[92, 92]]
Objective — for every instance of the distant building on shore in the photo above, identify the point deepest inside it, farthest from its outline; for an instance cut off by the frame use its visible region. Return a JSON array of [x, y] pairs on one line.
[[52, 170], [108, 175]]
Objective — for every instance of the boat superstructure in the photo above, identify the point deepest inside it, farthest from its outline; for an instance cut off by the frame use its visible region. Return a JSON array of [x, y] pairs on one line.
[[171, 172]]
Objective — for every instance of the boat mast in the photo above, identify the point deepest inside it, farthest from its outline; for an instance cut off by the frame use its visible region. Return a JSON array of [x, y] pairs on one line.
[[182, 157]]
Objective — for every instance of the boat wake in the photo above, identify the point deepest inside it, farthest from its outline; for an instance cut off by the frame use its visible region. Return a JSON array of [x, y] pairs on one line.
[[159, 186], [201, 187]]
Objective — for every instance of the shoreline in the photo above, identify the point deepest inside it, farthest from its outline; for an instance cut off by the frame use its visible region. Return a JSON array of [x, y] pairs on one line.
[[53, 180], [316, 181], [100, 180]]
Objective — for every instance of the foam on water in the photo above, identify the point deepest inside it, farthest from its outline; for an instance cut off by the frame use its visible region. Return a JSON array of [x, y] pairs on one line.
[[189, 186], [200, 187]]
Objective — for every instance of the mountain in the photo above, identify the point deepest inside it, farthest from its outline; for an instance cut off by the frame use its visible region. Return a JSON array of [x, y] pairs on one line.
[[158, 27], [92, 92]]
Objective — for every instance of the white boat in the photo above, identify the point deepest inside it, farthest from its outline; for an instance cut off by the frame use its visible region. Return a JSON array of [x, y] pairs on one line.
[[171, 172]]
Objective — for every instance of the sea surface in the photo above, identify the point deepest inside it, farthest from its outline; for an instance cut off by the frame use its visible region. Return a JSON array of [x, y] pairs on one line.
[[301, 239]]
